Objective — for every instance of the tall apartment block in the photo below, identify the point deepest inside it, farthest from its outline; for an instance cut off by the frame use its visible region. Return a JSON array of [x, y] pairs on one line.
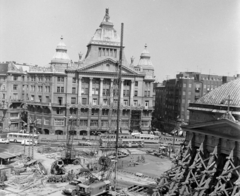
[[174, 95], [83, 94]]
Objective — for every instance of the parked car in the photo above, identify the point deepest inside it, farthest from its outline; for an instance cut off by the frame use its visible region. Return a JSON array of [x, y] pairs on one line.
[[4, 141], [28, 143]]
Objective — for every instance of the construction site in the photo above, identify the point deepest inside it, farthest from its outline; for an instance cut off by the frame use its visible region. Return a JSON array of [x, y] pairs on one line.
[[46, 170]]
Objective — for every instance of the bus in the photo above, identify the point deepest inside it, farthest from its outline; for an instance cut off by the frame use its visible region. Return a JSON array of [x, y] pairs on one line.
[[148, 138], [19, 137], [125, 140]]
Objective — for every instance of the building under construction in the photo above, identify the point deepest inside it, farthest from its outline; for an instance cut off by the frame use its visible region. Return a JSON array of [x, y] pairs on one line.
[[209, 163]]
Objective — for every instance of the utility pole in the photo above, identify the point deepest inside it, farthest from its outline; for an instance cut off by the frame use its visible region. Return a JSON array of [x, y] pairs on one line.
[[28, 131], [119, 100]]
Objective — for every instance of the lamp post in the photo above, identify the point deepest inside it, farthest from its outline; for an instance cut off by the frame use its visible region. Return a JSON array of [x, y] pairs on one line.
[[176, 129]]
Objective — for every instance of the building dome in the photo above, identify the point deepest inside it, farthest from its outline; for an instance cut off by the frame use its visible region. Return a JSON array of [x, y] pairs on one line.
[[61, 55], [228, 93], [145, 59]]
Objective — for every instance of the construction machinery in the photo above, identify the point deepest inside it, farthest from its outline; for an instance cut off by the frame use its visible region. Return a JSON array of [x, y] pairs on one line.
[[68, 156]]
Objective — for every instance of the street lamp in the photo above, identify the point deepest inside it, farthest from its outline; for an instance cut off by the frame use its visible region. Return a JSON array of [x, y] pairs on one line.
[[176, 131]]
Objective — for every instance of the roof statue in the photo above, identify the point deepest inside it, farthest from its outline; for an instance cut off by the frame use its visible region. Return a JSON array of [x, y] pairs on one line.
[[80, 54], [132, 59], [107, 17]]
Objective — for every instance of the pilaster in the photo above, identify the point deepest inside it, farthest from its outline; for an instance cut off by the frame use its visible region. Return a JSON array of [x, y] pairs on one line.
[[122, 81], [101, 92], [90, 90], [79, 90], [132, 92], [111, 91]]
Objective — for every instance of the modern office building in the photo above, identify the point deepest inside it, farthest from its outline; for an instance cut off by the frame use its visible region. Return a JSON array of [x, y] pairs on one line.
[[173, 98]]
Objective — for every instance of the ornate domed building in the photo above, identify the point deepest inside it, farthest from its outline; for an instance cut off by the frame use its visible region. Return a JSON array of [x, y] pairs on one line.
[[87, 90]]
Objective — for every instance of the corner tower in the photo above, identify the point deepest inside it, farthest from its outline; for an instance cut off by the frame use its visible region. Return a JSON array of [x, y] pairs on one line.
[[145, 64], [60, 59], [104, 44]]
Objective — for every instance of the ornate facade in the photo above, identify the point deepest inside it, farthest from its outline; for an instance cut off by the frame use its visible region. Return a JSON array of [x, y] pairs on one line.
[[86, 91]]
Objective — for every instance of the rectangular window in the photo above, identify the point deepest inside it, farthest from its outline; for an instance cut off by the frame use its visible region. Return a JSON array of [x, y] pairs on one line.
[[73, 90], [60, 79], [59, 122], [105, 123], [94, 123], [32, 97], [148, 93], [146, 103], [73, 80], [95, 91], [47, 89], [125, 102], [73, 100], [73, 111], [60, 100], [40, 89], [94, 101], [59, 111], [58, 89], [3, 96], [15, 87], [47, 79], [15, 78], [84, 101], [136, 83], [62, 89], [40, 98], [14, 115], [105, 102], [47, 99], [83, 123], [84, 91], [39, 121], [135, 102], [115, 92], [115, 102], [135, 93], [105, 112], [46, 122], [145, 93]]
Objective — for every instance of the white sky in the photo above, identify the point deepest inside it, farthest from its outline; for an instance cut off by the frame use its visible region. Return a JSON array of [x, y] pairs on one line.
[[182, 35]]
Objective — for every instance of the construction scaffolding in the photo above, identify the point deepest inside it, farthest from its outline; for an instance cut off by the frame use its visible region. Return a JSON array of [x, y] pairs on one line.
[[195, 175]]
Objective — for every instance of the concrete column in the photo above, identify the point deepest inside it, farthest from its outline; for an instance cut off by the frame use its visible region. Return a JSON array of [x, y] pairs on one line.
[[79, 90], [111, 92], [132, 92], [101, 92], [90, 90], [122, 92], [36, 90]]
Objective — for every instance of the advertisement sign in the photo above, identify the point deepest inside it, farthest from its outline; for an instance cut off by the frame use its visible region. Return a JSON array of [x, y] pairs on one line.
[[169, 140]]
